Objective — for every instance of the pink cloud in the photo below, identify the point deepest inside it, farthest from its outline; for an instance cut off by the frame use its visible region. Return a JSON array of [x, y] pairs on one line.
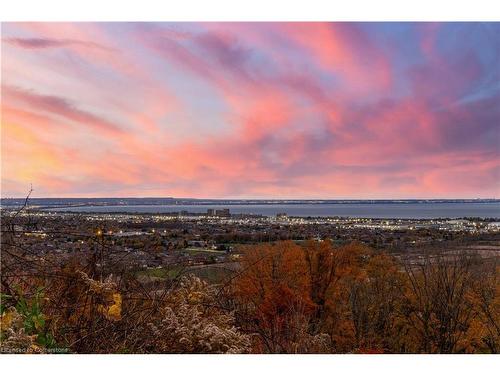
[[309, 110], [59, 106]]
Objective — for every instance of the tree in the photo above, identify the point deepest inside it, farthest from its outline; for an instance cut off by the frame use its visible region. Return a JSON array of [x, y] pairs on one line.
[[437, 302], [273, 300], [374, 301]]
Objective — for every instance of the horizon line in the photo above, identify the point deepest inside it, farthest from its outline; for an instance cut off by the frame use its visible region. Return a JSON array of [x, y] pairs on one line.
[[254, 199]]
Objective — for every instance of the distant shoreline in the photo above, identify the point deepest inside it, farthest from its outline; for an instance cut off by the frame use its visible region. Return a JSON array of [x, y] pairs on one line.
[[45, 203], [415, 209]]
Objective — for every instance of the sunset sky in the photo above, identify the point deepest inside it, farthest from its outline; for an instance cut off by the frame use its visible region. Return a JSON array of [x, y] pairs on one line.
[[251, 110]]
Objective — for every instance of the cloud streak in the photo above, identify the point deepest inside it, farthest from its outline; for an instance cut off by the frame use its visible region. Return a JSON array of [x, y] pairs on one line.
[[58, 106], [41, 43]]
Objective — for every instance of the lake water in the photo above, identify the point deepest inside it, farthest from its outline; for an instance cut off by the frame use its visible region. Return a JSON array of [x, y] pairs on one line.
[[368, 210]]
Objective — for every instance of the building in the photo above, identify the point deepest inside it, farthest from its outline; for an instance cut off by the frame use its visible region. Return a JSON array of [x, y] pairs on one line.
[[223, 213]]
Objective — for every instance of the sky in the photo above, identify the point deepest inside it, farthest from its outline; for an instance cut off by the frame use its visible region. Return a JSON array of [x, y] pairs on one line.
[[251, 110]]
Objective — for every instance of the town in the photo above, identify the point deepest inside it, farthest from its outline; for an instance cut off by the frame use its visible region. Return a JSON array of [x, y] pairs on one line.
[[155, 241]]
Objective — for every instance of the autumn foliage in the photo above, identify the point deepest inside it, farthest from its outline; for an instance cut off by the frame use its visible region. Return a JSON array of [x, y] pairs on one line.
[[321, 298], [285, 297]]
